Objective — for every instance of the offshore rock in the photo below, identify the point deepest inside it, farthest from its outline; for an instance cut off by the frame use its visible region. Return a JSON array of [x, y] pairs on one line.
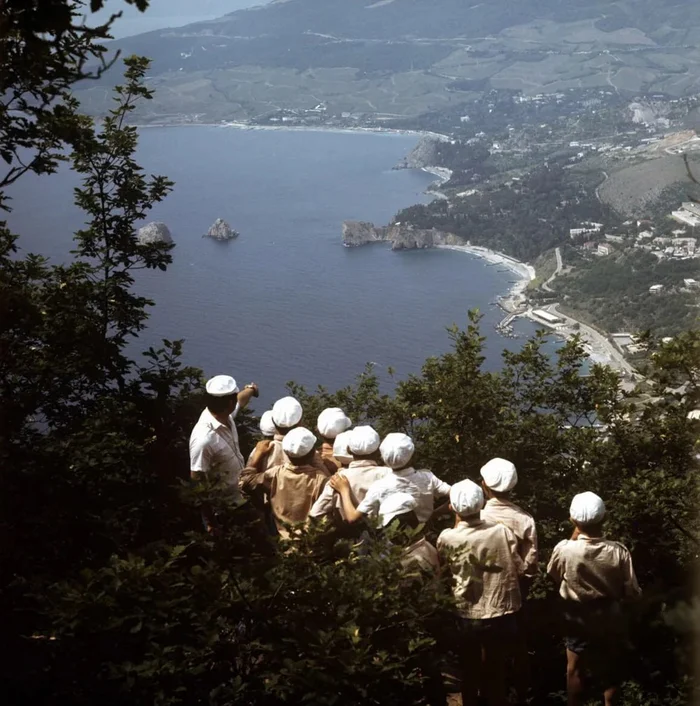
[[221, 230], [153, 233], [402, 236]]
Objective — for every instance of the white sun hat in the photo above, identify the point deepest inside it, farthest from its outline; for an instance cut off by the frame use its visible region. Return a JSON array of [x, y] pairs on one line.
[[394, 505], [397, 450], [267, 425], [500, 475], [222, 386], [363, 441], [298, 443], [587, 509], [286, 412], [332, 421], [466, 497]]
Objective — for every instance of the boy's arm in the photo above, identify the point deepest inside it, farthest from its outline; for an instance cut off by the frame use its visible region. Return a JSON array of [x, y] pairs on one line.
[[340, 483], [631, 585], [555, 567]]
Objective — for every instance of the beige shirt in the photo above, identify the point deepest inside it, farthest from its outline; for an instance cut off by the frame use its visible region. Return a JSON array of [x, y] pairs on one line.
[[469, 550], [590, 568], [423, 485], [333, 465], [424, 554], [292, 490], [214, 449], [523, 526], [361, 475]]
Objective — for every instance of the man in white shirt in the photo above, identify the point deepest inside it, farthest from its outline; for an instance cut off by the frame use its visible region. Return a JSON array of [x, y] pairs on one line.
[[214, 449], [397, 451]]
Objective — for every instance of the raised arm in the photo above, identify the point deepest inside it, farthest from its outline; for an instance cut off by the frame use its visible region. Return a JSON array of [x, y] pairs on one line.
[[340, 484], [246, 394]]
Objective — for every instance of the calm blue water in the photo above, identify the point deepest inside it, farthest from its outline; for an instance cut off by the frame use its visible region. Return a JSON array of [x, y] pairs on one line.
[[286, 301]]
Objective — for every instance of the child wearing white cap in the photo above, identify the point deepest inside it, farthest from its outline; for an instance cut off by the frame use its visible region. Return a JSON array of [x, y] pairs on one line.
[[487, 600], [361, 474], [498, 478], [398, 511], [292, 487], [396, 451], [594, 575], [214, 448], [286, 414], [331, 422]]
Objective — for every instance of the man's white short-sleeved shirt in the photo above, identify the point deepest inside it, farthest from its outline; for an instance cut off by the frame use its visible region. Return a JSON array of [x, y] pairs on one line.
[[423, 485], [214, 449]]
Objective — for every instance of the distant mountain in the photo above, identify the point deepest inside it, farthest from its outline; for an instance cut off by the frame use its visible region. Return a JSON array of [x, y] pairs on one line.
[[403, 57]]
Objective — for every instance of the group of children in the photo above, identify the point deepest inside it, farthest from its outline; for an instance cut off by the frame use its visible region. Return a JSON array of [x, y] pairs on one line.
[[491, 551]]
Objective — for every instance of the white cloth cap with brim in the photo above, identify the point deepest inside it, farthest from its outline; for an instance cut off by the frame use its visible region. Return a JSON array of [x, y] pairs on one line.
[[394, 505], [332, 421], [222, 386], [340, 447], [587, 509], [397, 450], [267, 425], [500, 475], [298, 443], [286, 412], [466, 498], [363, 441]]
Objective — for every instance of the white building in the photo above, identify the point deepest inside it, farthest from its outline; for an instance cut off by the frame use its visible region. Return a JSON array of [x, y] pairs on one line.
[[546, 317], [686, 217], [691, 283], [656, 288], [604, 249]]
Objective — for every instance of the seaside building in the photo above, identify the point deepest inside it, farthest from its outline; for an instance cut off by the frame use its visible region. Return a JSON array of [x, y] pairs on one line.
[[547, 318], [604, 249], [689, 214], [691, 283], [656, 288]]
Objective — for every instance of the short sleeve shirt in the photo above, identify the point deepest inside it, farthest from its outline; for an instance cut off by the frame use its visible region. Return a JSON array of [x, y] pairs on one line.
[[470, 550], [589, 568], [523, 526], [214, 449], [361, 475], [423, 485]]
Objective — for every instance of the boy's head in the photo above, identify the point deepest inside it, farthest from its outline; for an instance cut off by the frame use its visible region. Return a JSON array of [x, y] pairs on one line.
[[286, 414], [363, 444], [399, 508], [340, 448], [267, 425], [299, 445], [466, 499], [499, 477], [397, 451], [331, 422], [587, 512]]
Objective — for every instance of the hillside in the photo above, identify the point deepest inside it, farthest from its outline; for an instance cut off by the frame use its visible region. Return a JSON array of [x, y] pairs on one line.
[[405, 57]]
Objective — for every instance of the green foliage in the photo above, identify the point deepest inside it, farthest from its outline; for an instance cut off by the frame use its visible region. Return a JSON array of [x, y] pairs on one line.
[[46, 49]]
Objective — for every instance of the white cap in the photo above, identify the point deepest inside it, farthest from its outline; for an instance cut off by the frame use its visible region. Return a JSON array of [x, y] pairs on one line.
[[267, 426], [332, 421], [466, 497], [587, 509], [363, 441], [394, 505], [340, 447], [397, 450], [298, 443], [286, 412], [222, 386], [500, 475]]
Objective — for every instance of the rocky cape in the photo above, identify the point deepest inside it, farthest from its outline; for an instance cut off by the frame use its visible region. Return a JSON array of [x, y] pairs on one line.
[[401, 236], [424, 155], [221, 230], [153, 233]]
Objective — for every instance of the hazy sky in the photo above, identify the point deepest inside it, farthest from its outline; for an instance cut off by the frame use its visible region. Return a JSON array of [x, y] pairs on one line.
[[169, 13]]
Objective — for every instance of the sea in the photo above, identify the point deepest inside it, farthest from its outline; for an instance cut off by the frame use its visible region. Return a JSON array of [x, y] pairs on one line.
[[286, 301]]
